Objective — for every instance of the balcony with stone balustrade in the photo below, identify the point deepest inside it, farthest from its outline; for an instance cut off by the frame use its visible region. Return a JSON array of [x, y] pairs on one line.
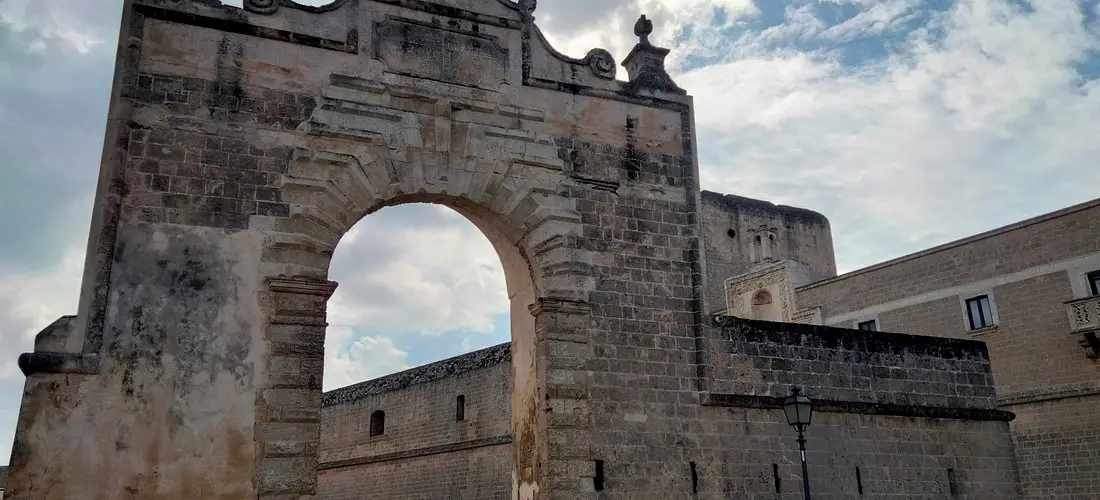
[[1084, 321]]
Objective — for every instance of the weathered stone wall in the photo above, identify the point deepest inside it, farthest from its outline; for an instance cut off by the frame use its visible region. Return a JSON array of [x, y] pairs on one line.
[[730, 224], [242, 146], [1029, 270], [424, 451], [913, 414], [853, 367], [925, 402], [244, 143]]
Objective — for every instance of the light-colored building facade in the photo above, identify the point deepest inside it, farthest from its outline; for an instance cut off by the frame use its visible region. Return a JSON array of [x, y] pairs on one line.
[[1029, 290]]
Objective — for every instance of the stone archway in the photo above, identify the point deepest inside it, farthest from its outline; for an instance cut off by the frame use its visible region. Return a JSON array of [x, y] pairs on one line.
[[241, 145], [316, 184]]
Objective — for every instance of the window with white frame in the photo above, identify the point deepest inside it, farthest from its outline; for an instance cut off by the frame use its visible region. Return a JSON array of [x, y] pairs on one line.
[[1094, 282], [979, 312]]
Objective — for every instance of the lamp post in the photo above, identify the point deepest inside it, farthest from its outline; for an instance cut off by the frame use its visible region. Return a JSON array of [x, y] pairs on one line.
[[798, 409]]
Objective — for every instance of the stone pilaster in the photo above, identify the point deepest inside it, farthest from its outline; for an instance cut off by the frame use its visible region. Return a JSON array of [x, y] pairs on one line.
[[562, 354], [288, 399]]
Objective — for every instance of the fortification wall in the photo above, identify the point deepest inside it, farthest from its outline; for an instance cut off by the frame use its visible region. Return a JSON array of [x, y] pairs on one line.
[[915, 415], [853, 368], [1026, 272], [896, 415], [730, 225], [428, 447]]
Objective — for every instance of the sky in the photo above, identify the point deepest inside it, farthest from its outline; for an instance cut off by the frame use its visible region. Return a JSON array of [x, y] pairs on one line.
[[908, 123]]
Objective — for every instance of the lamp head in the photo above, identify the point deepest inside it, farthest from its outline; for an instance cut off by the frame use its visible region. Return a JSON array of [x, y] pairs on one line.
[[798, 408]]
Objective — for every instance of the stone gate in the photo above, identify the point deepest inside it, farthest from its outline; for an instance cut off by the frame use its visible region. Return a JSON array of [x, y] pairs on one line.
[[241, 145]]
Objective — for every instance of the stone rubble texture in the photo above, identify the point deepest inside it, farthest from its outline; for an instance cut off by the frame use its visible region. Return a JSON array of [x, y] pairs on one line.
[[241, 144]]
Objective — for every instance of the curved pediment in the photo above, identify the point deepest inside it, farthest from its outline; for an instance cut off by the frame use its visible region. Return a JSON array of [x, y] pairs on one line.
[[480, 44], [645, 65], [497, 8], [599, 62], [270, 6]]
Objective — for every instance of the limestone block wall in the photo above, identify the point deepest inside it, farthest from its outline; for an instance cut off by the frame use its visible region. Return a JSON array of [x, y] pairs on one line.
[[1058, 445], [243, 143], [897, 416], [853, 366], [915, 415], [424, 450], [730, 225], [1027, 271]]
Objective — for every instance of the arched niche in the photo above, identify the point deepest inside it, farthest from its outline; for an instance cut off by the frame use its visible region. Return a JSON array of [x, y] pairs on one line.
[[764, 306]]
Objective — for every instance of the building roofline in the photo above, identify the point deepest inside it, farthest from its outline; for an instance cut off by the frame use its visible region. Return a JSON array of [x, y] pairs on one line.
[[737, 201], [457, 365], [960, 242]]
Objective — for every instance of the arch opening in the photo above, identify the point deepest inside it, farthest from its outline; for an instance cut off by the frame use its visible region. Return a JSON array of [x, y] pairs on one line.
[[764, 307], [474, 414]]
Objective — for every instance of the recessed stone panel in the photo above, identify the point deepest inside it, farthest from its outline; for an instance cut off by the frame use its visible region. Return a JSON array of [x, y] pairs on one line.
[[463, 58]]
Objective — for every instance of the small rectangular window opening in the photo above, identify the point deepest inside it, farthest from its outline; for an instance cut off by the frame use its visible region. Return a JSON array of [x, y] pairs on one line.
[[597, 480], [869, 325], [694, 479], [377, 423], [775, 477], [460, 408], [979, 312]]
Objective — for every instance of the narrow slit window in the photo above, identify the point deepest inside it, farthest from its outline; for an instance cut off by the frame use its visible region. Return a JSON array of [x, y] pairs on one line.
[[694, 479], [460, 408], [597, 480], [859, 481], [775, 477], [979, 311], [377, 423]]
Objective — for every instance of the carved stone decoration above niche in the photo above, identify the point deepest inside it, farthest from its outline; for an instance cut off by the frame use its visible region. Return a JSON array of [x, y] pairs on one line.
[[774, 278], [270, 6], [601, 62]]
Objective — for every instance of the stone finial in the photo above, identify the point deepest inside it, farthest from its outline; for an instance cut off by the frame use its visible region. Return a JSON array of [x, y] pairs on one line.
[[646, 63], [527, 8], [642, 29]]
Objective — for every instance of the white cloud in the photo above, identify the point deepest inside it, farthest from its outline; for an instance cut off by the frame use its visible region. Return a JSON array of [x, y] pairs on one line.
[[952, 136], [31, 301], [83, 25], [609, 24], [409, 269], [350, 358]]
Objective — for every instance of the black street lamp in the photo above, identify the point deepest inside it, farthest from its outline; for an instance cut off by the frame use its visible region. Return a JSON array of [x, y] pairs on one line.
[[798, 409]]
